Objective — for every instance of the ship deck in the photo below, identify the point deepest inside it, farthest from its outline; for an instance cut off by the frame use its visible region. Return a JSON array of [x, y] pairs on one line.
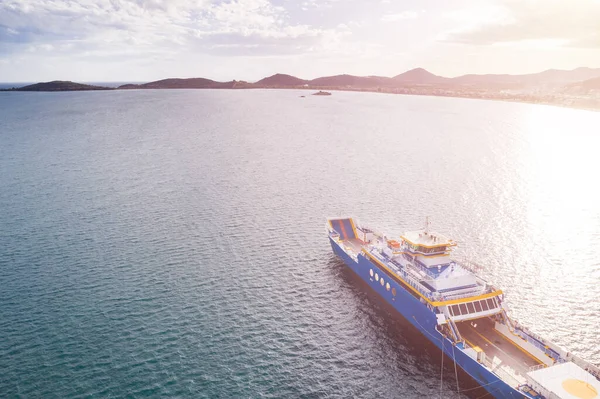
[[498, 349], [355, 244]]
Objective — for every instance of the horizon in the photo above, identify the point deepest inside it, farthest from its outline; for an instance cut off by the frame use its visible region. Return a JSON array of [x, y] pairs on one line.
[[278, 73], [148, 40]]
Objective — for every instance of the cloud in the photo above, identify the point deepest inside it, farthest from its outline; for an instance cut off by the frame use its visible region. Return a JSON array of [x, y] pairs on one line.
[[589, 41], [573, 23], [318, 4], [149, 26], [400, 16]]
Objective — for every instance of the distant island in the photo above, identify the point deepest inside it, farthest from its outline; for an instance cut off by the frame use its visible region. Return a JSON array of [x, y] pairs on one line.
[[578, 88], [58, 85], [322, 93], [191, 83]]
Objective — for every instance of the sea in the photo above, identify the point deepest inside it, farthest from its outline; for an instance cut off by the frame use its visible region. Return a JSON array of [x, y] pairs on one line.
[[171, 243]]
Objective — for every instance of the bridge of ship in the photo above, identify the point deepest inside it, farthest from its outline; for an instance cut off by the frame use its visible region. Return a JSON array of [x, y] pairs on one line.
[[454, 299], [415, 276]]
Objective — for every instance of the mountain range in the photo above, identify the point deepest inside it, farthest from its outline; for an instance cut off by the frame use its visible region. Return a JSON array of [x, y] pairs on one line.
[[418, 77], [580, 80]]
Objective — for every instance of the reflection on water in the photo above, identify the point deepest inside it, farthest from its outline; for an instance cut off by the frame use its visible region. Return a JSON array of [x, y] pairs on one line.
[[172, 242]]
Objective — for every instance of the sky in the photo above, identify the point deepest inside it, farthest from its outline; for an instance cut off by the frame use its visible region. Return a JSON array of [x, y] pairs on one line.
[[144, 40]]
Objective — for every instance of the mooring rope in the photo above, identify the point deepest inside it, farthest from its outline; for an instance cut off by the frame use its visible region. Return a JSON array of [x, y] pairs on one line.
[[455, 372], [442, 370]]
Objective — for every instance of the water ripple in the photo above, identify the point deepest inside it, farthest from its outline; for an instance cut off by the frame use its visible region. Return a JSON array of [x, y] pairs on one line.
[[171, 244]]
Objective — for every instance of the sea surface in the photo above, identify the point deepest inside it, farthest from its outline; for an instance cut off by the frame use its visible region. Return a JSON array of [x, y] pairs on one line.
[[172, 243]]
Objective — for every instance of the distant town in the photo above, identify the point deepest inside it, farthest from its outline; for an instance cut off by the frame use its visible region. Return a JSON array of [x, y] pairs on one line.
[[577, 88]]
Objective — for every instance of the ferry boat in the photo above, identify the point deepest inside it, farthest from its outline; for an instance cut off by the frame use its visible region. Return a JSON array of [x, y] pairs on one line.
[[461, 313]]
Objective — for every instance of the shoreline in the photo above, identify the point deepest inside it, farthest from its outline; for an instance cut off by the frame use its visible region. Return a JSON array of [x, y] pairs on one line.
[[538, 101], [555, 101]]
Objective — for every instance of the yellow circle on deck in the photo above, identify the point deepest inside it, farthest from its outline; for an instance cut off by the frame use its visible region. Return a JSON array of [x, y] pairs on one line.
[[580, 389]]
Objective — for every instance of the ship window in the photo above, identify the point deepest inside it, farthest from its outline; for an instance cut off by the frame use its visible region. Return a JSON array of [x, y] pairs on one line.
[[387, 286], [491, 303], [381, 281], [463, 309], [371, 272], [477, 306], [454, 310], [471, 307], [484, 305], [394, 291], [376, 277]]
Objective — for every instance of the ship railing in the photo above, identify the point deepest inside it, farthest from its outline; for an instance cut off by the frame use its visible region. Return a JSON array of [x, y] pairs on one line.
[[509, 322], [508, 377], [409, 279], [537, 367], [454, 328], [584, 364], [483, 282], [474, 268], [488, 363], [423, 268], [538, 342], [461, 296], [415, 284], [469, 265], [587, 366], [556, 353]]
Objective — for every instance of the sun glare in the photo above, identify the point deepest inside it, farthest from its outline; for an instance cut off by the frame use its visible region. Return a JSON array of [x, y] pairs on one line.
[[560, 164]]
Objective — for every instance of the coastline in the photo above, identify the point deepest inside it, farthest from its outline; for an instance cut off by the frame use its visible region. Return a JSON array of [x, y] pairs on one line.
[[528, 99], [580, 103]]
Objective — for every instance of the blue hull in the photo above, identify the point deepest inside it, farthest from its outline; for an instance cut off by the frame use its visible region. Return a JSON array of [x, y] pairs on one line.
[[420, 316]]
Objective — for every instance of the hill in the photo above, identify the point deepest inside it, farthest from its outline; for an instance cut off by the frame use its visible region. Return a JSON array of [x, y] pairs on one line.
[[59, 85], [175, 83], [550, 77], [589, 86], [419, 76], [351, 81], [281, 80]]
